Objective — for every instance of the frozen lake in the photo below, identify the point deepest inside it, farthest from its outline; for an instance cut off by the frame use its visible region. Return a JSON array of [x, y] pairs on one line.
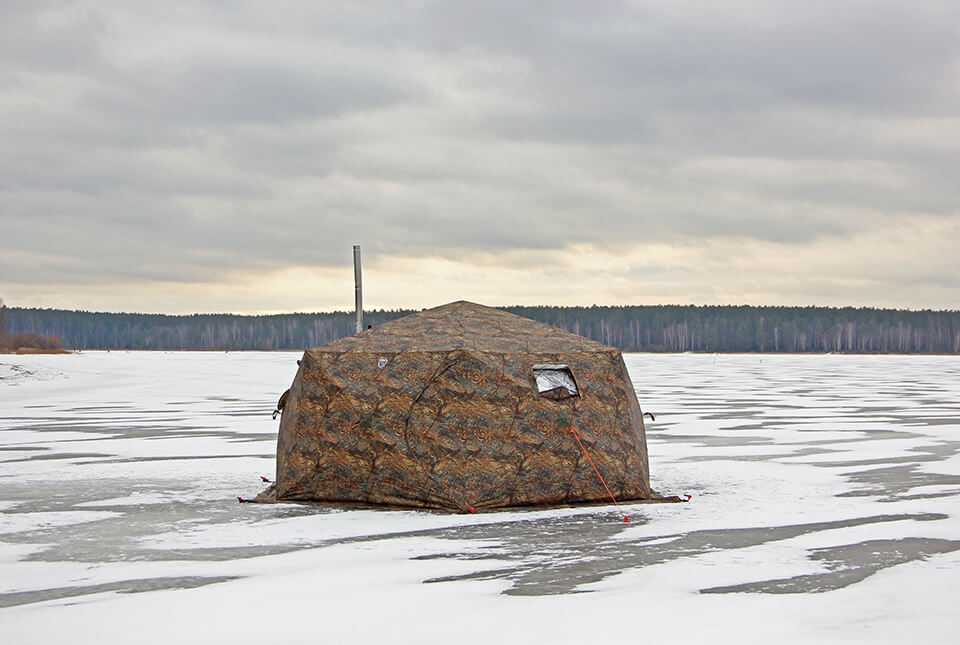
[[826, 508]]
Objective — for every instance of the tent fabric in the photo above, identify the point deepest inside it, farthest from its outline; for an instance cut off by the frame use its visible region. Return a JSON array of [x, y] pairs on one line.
[[441, 410]]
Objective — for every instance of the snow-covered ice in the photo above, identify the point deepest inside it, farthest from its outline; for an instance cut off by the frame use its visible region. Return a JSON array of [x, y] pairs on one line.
[[826, 498]]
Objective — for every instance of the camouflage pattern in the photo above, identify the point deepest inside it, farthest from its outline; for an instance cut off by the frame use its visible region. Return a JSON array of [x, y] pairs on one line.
[[440, 410]]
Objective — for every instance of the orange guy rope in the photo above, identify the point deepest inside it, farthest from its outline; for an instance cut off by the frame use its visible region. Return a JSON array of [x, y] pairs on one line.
[[577, 437]]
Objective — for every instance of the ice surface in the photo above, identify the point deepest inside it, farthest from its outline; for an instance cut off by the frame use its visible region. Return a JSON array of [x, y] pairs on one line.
[[826, 492]]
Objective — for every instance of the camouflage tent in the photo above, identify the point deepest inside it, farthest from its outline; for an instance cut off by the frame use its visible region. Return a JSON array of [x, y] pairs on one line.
[[461, 407]]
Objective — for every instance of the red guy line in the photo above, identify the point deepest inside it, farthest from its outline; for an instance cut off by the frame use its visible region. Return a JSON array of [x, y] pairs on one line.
[[577, 437]]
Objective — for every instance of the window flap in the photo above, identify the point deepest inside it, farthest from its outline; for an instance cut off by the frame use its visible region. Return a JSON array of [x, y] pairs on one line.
[[555, 381]]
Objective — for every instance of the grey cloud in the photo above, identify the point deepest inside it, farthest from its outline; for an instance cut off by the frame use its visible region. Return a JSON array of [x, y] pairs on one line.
[[876, 55], [267, 135], [45, 36], [218, 94]]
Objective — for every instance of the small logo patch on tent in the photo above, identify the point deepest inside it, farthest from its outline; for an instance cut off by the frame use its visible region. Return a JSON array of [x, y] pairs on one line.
[[382, 363]]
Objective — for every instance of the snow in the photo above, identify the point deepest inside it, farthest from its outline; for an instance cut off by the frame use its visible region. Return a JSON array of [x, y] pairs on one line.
[[826, 495]]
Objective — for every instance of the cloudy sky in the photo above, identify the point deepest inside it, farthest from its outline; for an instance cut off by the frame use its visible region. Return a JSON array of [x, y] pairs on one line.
[[225, 156]]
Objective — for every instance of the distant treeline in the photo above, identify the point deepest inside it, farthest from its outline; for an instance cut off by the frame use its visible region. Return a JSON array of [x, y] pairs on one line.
[[20, 341], [658, 328]]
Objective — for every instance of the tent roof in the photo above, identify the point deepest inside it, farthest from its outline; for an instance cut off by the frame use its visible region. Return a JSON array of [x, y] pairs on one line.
[[464, 325]]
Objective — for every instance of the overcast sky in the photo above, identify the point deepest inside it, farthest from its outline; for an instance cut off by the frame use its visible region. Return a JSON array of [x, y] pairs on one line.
[[225, 156]]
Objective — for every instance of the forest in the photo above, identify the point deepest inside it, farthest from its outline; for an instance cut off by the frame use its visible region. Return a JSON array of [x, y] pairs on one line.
[[22, 342], [643, 328]]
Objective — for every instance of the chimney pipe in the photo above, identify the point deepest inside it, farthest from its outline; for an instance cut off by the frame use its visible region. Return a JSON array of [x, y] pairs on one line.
[[358, 288]]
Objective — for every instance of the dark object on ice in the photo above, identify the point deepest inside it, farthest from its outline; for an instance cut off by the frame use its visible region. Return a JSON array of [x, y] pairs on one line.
[[461, 408], [265, 480], [650, 414], [282, 402]]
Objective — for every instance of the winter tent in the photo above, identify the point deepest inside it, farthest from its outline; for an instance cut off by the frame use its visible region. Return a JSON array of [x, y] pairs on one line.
[[461, 407]]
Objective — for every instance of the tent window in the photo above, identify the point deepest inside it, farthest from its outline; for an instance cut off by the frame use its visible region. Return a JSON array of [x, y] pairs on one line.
[[555, 382]]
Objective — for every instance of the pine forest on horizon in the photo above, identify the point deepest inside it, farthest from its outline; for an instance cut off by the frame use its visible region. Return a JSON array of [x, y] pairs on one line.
[[647, 328]]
